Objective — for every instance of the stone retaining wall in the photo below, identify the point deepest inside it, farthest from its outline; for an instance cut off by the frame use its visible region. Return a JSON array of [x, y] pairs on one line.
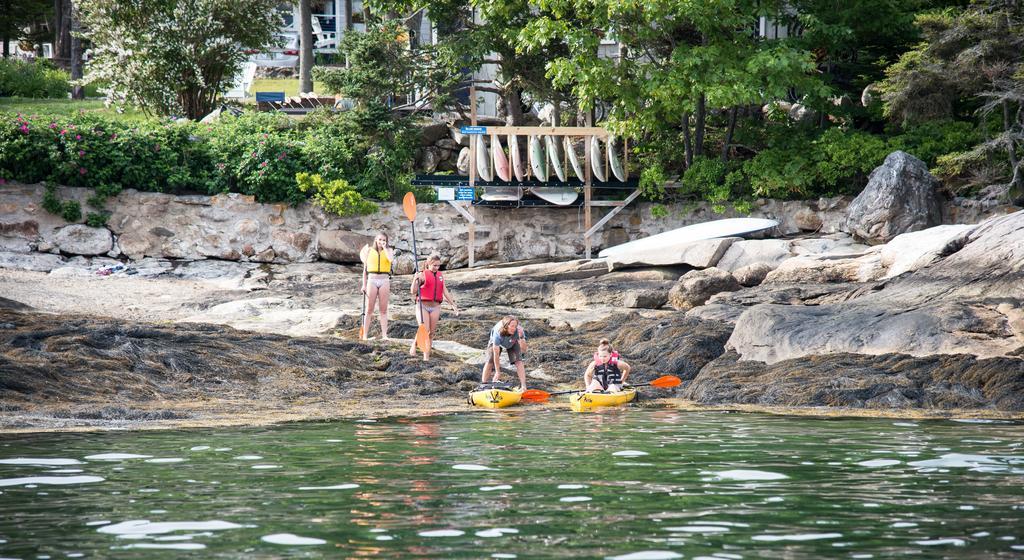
[[234, 227]]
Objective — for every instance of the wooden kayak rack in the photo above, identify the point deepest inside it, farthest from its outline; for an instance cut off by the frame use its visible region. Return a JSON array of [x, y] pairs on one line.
[[465, 208]]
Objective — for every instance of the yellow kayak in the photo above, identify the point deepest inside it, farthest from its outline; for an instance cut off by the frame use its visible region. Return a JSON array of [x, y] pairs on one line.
[[495, 397], [585, 402]]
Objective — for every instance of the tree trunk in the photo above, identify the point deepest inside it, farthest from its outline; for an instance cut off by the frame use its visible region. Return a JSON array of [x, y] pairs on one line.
[[62, 20], [513, 106], [699, 127], [1015, 192], [1011, 150], [728, 134], [305, 47], [687, 144], [77, 90], [7, 46]]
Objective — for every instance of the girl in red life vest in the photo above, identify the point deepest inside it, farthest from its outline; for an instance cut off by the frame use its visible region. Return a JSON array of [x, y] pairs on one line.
[[377, 258], [606, 371], [428, 286]]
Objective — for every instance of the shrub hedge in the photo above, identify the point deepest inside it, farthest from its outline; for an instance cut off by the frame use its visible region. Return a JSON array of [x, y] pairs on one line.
[[37, 79], [255, 153]]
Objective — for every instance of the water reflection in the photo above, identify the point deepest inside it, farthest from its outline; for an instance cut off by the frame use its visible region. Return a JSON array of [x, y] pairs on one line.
[[629, 483]]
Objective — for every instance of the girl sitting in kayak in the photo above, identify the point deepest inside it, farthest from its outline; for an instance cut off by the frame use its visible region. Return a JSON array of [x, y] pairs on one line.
[[606, 371], [430, 290]]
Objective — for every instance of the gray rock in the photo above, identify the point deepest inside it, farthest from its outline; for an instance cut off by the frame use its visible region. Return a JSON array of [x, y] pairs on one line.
[[802, 114], [698, 254], [807, 220], [448, 144], [78, 239], [828, 269], [836, 244], [39, 262], [915, 250], [644, 299], [696, 286], [432, 133], [752, 274], [459, 138], [968, 302], [746, 252], [428, 160], [403, 264], [340, 246], [901, 196]]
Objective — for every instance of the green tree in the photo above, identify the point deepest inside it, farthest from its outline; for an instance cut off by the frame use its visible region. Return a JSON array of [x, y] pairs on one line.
[[680, 61], [971, 63], [173, 58], [16, 18]]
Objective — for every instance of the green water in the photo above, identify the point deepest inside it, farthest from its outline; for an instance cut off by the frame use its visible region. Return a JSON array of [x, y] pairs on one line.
[[630, 483]]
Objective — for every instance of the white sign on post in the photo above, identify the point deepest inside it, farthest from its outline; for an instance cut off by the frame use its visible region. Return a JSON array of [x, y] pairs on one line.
[[445, 193]]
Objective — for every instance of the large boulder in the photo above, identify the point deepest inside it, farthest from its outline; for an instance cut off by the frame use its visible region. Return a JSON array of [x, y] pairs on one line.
[[752, 274], [911, 251], [432, 133], [968, 302], [698, 254], [901, 196], [644, 299], [696, 286], [340, 246], [18, 235], [828, 269], [78, 239], [38, 262], [747, 252]]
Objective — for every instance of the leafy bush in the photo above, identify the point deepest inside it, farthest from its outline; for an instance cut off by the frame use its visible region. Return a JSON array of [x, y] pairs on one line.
[[255, 153], [97, 219], [32, 79], [337, 196], [70, 210], [798, 164], [931, 140], [844, 158]]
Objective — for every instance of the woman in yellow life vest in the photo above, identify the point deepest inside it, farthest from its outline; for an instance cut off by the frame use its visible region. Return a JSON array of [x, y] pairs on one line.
[[377, 282]]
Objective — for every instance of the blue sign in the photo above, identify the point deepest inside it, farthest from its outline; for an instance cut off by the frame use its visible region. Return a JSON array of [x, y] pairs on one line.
[[465, 193], [270, 97], [473, 130]]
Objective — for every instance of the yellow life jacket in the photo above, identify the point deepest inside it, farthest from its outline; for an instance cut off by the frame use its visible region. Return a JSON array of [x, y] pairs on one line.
[[377, 263]]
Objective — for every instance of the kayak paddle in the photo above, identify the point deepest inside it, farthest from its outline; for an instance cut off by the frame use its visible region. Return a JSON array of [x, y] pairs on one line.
[[663, 382], [363, 253], [422, 335]]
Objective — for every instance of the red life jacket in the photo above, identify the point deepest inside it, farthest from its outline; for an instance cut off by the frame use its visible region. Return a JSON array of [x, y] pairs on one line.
[[613, 359], [432, 288], [607, 373]]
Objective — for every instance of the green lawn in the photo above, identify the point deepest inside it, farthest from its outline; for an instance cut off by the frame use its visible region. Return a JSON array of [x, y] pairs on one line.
[[289, 86], [64, 107]]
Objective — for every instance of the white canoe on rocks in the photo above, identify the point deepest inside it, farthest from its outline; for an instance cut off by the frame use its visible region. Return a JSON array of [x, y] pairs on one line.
[[708, 230]]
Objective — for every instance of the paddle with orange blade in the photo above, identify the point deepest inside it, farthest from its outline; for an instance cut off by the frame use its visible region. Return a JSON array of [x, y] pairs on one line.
[[422, 335], [663, 382]]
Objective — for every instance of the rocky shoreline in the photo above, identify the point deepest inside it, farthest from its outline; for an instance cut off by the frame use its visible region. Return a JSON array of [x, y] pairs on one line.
[[230, 344], [915, 317]]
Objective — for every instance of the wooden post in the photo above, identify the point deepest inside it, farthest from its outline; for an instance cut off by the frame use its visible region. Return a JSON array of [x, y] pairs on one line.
[[472, 240], [472, 174], [586, 187]]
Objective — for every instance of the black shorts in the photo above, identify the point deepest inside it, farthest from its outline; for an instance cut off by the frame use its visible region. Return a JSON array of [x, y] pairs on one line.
[[514, 355]]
